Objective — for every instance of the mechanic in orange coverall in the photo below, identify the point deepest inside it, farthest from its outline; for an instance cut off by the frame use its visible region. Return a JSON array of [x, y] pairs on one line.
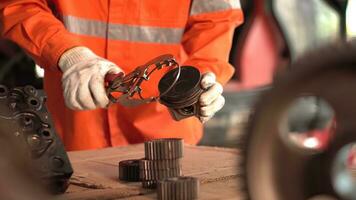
[[79, 42]]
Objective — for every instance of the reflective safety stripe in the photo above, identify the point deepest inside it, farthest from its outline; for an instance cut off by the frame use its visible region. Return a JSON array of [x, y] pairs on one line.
[[125, 32], [83, 26], [145, 34], [206, 6]]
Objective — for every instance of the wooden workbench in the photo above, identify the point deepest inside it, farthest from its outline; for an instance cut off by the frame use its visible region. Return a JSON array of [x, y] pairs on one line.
[[95, 173]]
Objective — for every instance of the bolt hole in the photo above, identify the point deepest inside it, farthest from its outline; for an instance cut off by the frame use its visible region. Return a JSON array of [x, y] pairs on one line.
[[2, 90], [27, 119], [46, 133], [30, 90], [33, 102], [27, 122]]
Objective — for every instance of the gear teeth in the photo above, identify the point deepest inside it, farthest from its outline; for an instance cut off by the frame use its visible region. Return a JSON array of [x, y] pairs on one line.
[[159, 164], [153, 170], [149, 184], [154, 175], [178, 188], [129, 170], [161, 169], [164, 149]]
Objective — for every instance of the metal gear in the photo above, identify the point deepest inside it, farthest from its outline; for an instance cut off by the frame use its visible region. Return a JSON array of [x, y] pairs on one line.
[[149, 184], [152, 171], [155, 175], [129, 170], [160, 164], [273, 169], [164, 149], [178, 188]]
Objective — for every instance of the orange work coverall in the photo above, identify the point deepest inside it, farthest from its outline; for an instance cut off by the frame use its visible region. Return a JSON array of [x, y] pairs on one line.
[[128, 33]]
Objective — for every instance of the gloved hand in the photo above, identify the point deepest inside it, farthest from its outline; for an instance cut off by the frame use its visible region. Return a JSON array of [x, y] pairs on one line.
[[211, 100], [83, 78]]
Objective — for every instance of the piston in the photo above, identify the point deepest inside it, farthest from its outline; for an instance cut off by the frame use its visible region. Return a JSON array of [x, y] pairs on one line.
[[182, 99]]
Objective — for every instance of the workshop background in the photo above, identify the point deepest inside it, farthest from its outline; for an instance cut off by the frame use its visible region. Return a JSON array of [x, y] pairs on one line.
[[278, 31]]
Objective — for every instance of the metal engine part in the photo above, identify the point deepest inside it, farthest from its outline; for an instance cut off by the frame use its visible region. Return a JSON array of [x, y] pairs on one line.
[[24, 118], [178, 188], [129, 170], [153, 170], [17, 180], [164, 149], [274, 169], [182, 99]]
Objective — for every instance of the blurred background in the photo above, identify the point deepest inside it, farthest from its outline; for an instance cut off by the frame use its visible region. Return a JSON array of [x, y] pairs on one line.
[[275, 33]]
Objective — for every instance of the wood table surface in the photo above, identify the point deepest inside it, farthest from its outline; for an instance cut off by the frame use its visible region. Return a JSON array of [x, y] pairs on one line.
[[96, 173]]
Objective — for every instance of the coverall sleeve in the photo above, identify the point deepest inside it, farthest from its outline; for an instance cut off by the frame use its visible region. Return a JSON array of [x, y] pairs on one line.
[[208, 38], [32, 25]]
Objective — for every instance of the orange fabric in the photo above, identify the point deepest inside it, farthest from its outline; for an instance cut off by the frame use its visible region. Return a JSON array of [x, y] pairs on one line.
[[31, 24], [208, 43], [205, 44]]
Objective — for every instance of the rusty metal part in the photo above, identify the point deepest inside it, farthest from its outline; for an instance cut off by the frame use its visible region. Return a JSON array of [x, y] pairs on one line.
[[178, 188], [273, 169], [130, 84], [23, 116], [164, 149], [129, 170], [182, 99]]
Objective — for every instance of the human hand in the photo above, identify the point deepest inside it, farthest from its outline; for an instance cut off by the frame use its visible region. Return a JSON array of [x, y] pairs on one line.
[[83, 78], [211, 100]]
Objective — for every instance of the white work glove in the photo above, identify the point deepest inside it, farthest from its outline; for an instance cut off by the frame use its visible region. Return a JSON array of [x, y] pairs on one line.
[[83, 78], [211, 100]]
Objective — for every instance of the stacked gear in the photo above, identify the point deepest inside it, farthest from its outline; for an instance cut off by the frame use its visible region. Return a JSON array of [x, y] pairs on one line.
[[129, 170], [161, 169], [162, 160], [178, 188], [164, 149]]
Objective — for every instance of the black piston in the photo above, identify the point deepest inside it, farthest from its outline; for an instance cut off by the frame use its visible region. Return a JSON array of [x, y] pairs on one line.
[[182, 99]]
